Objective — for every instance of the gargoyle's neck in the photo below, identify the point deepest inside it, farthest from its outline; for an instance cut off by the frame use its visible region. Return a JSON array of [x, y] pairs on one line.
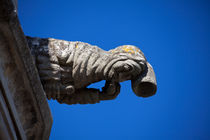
[[89, 65]]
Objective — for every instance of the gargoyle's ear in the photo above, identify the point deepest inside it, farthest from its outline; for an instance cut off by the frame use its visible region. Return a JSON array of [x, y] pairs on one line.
[[145, 85]]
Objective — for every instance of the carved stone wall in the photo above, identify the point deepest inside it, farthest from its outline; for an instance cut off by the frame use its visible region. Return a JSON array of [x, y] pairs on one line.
[[24, 111]]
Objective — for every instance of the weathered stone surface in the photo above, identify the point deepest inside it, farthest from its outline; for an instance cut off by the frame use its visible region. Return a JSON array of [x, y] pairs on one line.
[[23, 107], [66, 69]]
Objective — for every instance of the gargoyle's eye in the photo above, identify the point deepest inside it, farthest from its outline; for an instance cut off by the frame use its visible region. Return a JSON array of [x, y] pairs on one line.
[[127, 67]]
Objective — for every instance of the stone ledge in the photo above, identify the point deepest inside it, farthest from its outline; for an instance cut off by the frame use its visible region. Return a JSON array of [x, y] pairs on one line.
[[22, 95]]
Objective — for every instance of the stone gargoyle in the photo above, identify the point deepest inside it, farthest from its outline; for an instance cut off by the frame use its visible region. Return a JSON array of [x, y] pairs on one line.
[[67, 68]]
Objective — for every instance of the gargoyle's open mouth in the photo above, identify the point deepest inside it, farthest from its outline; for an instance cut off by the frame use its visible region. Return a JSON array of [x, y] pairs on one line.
[[145, 85]]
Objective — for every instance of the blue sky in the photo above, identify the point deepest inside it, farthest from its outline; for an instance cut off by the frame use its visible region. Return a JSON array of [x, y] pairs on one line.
[[174, 36]]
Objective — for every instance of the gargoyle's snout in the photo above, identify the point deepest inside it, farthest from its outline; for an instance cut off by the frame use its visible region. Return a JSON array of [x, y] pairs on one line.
[[145, 85]]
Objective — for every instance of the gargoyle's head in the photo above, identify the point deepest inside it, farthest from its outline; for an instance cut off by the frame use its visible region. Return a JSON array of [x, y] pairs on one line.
[[129, 63]]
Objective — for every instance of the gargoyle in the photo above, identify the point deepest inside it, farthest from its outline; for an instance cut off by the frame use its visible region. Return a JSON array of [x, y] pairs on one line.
[[67, 68]]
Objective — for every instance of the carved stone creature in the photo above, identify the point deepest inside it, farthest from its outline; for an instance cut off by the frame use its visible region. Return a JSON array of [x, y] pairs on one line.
[[67, 68]]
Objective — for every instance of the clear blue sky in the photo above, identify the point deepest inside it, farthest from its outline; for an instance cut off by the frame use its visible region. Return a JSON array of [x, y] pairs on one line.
[[175, 37]]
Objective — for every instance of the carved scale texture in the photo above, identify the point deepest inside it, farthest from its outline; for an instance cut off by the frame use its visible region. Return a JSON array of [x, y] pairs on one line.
[[66, 68]]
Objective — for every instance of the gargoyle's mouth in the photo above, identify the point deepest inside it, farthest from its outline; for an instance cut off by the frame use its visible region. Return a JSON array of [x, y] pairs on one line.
[[145, 85]]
